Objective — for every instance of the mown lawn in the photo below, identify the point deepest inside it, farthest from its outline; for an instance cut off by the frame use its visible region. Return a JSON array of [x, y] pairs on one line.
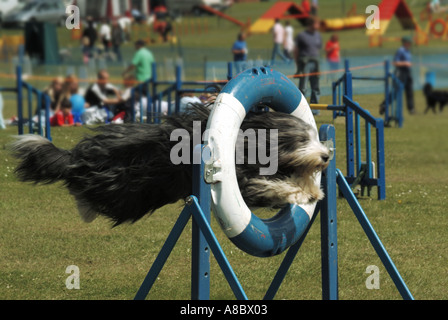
[[41, 233]]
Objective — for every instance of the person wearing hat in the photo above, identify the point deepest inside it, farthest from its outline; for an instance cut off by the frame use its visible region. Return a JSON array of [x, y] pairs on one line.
[[403, 71], [141, 62]]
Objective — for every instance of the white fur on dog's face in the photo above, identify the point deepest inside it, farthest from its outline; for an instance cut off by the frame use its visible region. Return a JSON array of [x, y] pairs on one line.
[[318, 151], [310, 157]]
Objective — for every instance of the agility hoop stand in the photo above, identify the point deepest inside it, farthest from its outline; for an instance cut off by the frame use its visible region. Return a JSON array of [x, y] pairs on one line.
[[204, 240]]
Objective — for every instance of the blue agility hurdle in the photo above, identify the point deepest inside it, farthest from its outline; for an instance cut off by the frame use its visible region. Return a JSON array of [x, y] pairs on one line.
[[393, 94], [263, 242], [359, 172], [42, 107]]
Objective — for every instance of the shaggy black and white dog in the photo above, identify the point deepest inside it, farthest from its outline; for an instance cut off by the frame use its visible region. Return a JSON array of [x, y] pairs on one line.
[[124, 171], [434, 97]]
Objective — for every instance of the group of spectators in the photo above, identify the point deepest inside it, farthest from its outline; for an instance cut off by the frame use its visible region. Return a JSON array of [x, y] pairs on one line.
[[111, 35], [305, 50], [102, 101]]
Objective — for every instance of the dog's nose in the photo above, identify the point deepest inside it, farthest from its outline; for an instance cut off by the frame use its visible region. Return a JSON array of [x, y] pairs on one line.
[[325, 158]]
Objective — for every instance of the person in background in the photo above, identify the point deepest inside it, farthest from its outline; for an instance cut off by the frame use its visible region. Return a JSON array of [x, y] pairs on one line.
[[239, 50], [403, 71], [89, 37], [54, 91], [307, 53], [76, 99], [314, 7], [64, 117], [288, 44], [278, 33], [333, 55], [141, 62], [102, 98], [106, 35]]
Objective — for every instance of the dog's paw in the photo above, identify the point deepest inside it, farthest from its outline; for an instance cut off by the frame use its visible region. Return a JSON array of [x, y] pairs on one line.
[[316, 194], [302, 197]]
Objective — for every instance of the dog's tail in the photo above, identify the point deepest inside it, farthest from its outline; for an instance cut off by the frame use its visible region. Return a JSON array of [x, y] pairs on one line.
[[39, 160]]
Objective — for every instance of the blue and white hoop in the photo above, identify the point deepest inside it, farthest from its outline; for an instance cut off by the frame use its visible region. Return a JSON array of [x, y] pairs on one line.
[[258, 237]]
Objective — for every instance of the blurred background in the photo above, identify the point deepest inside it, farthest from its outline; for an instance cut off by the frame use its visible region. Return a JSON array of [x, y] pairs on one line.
[[198, 35]]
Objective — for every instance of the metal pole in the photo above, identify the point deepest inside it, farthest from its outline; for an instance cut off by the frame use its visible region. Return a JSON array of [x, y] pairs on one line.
[[328, 221], [200, 254], [19, 98]]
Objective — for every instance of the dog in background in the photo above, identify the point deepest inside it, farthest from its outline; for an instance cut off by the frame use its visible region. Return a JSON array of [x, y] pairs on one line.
[[434, 97], [124, 171]]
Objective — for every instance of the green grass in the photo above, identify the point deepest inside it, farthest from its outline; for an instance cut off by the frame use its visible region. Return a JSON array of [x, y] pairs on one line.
[[41, 233]]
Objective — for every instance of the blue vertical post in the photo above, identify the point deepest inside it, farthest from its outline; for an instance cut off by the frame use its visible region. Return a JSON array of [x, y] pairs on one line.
[[152, 98], [348, 91], [387, 98], [380, 159], [19, 98], [399, 105], [358, 143], [229, 70], [29, 96], [329, 241], [200, 262], [368, 150], [39, 113], [334, 97], [178, 87]]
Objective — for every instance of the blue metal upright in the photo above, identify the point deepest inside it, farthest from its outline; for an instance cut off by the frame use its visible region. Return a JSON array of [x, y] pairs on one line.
[[41, 97], [203, 239], [328, 222], [349, 132], [200, 252]]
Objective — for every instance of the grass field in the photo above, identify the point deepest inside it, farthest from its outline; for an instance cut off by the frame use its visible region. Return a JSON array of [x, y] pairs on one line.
[[41, 233]]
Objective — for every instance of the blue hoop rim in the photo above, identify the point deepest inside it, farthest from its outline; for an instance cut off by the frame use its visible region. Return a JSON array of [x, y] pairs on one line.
[[267, 237]]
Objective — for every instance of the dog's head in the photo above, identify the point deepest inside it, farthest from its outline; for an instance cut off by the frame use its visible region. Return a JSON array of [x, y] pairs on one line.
[[298, 147], [427, 89]]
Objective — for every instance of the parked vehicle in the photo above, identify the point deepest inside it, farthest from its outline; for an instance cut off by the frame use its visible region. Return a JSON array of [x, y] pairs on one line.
[[7, 6], [41, 11]]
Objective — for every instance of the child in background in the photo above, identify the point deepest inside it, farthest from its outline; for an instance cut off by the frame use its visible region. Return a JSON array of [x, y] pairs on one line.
[[64, 117], [332, 50]]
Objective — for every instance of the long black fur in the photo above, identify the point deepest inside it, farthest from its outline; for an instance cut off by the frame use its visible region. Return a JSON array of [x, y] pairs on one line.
[[124, 171], [434, 97]]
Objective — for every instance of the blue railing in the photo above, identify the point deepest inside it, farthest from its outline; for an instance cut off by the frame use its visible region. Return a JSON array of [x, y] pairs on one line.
[[42, 129], [360, 172], [171, 91]]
